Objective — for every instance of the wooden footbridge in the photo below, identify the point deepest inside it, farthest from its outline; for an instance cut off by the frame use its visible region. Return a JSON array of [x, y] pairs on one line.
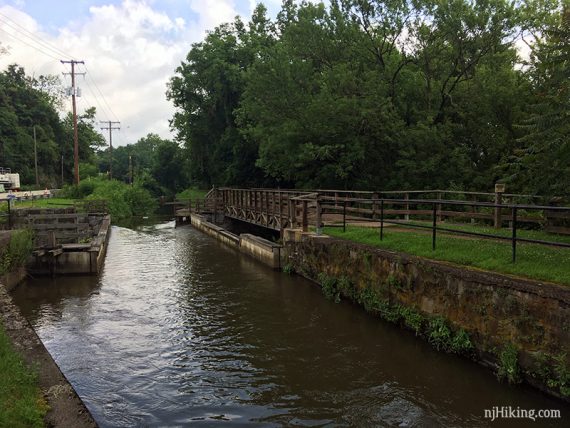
[[279, 209]]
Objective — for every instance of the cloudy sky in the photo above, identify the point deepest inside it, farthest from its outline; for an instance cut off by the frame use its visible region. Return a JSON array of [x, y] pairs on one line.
[[130, 48]]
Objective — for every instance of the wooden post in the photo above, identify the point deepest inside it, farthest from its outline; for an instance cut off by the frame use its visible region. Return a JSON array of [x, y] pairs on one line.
[[280, 212], [374, 198], [439, 217], [305, 216], [512, 202], [266, 208], [499, 190], [215, 207], [293, 212], [407, 207], [319, 216]]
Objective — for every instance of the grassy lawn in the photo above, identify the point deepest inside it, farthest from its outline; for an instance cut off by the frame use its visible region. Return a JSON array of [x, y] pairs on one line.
[[533, 261], [21, 401]]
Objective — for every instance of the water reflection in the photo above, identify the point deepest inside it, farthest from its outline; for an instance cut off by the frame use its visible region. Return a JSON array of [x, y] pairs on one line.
[[180, 329]]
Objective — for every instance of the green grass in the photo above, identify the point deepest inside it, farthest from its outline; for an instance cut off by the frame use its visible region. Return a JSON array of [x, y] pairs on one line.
[[21, 401], [43, 203], [191, 193], [533, 261]]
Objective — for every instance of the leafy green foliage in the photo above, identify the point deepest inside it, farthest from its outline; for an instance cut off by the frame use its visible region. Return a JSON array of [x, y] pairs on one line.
[[329, 287], [509, 369], [440, 335], [17, 252], [123, 200]]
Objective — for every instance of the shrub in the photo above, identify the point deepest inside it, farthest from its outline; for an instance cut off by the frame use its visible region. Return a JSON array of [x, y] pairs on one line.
[[17, 251]]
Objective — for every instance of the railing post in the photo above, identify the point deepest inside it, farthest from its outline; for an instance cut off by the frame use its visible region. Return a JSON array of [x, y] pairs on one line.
[[305, 216], [374, 199], [344, 216], [434, 227], [319, 215], [293, 212], [439, 217], [381, 219], [266, 208], [499, 189], [512, 202], [215, 207], [514, 238], [407, 207], [280, 211]]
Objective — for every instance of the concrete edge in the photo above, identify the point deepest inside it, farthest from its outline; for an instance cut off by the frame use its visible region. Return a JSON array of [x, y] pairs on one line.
[[263, 250], [66, 409]]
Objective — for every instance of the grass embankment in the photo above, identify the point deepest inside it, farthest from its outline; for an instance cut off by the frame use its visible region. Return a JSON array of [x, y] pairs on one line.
[[533, 261], [21, 400], [45, 203]]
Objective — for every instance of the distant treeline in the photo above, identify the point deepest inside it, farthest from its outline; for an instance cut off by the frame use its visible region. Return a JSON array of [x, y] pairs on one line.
[[381, 95], [31, 105]]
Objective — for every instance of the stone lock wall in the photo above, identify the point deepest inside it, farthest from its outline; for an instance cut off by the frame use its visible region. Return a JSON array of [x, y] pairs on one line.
[[502, 315]]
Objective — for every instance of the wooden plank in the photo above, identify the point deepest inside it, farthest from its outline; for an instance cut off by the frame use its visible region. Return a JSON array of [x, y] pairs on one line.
[[557, 214], [60, 226], [558, 229]]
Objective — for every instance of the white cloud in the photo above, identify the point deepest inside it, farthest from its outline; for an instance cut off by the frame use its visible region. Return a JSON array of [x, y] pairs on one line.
[[130, 51]]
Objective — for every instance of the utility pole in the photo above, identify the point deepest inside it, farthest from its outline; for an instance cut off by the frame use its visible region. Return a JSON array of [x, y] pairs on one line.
[[75, 136], [36, 158], [110, 128], [131, 169]]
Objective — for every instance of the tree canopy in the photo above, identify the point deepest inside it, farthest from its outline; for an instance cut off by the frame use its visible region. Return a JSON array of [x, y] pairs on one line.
[[381, 94]]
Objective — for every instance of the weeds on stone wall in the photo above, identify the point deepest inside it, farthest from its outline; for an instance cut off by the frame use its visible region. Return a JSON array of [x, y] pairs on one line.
[[553, 371], [435, 330], [288, 269], [15, 254], [329, 287], [509, 369]]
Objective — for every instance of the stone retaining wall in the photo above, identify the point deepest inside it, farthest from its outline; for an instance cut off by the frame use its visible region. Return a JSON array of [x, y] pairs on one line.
[[502, 317]]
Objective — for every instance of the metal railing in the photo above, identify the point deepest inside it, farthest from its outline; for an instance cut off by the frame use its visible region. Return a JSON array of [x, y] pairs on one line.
[[379, 214]]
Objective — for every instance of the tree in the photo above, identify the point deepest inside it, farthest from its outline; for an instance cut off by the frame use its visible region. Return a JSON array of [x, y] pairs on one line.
[[542, 164], [206, 91]]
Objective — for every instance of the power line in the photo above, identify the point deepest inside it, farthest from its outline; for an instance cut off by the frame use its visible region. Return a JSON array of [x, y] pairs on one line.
[[28, 44], [101, 93], [34, 37]]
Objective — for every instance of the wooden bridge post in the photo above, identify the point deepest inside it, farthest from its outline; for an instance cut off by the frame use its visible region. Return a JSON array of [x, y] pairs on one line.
[[280, 212], [293, 212], [305, 216], [319, 216], [266, 207], [215, 207]]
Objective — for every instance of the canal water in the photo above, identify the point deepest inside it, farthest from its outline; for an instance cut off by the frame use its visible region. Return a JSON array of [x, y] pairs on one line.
[[181, 330]]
